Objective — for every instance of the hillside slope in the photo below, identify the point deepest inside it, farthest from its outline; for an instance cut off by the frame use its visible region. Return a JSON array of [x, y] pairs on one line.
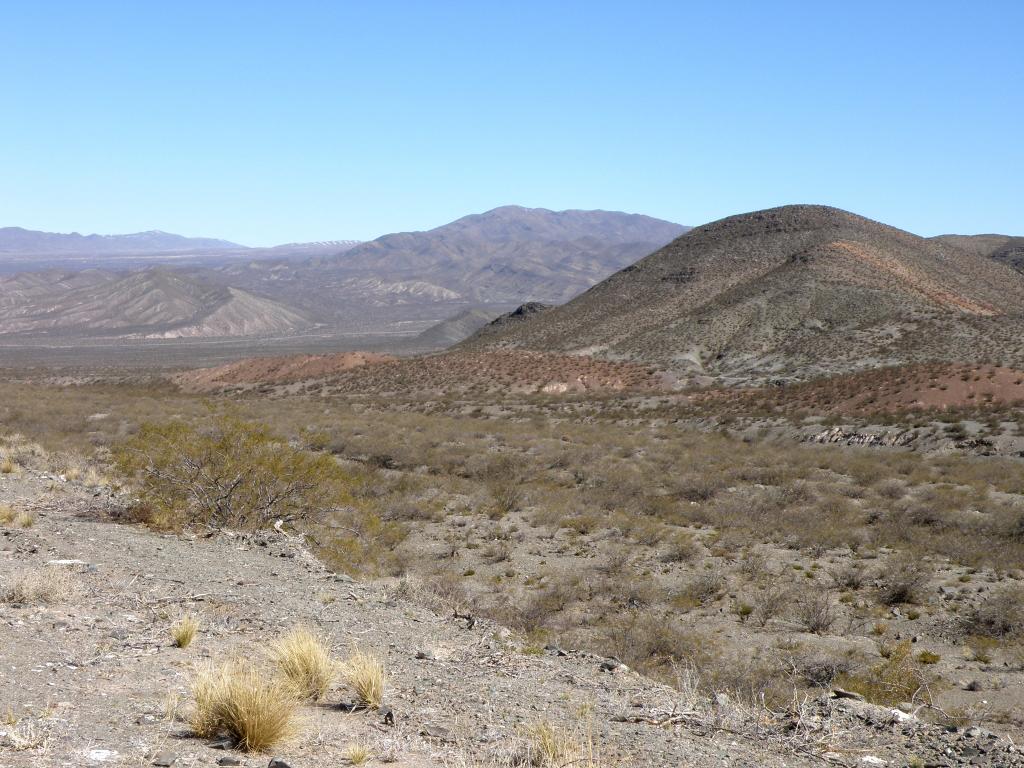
[[792, 292], [153, 303]]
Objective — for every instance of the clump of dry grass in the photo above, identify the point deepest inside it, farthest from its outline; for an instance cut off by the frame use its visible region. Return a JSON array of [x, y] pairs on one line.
[[240, 701], [357, 754], [551, 746], [7, 466], [184, 632], [306, 661], [49, 585], [364, 673], [7, 514]]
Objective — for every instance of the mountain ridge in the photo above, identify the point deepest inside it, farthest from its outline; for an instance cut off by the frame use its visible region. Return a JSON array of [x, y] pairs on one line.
[[793, 291]]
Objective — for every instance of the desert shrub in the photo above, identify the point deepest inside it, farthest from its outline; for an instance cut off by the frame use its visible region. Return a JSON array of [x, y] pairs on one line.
[[851, 575], [998, 614], [897, 679], [234, 473], [680, 547], [902, 579], [818, 669], [816, 612], [651, 643], [240, 701], [304, 658], [770, 603], [365, 675], [50, 584], [706, 587]]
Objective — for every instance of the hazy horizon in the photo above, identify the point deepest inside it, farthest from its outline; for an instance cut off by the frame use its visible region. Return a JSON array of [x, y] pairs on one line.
[[266, 125]]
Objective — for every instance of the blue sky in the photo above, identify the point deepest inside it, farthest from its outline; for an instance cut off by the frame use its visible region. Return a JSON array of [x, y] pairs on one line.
[[274, 122]]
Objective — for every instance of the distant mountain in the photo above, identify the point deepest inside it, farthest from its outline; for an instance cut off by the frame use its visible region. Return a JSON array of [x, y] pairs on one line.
[[153, 303], [1009, 250], [16, 240], [494, 260], [789, 293]]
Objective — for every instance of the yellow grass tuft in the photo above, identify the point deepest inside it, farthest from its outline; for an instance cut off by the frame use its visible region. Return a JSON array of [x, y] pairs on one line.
[[239, 701], [184, 632], [7, 514], [357, 754], [551, 746], [364, 673], [304, 658], [7, 466]]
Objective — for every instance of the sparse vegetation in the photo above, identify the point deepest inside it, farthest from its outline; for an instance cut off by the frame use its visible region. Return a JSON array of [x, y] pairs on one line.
[[257, 711], [48, 584], [304, 658], [184, 630], [364, 673]]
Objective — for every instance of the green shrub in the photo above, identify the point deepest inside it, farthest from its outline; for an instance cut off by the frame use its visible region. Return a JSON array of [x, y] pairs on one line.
[[233, 473]]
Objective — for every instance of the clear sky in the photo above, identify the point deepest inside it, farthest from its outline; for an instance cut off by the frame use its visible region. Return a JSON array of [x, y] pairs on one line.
[[268, 122]]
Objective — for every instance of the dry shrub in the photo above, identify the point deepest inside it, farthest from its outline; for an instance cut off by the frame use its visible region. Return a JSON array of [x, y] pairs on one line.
[[50, 584], [706, 587], [304, 658], [680, 547], [897, 679], [770, 603], [999, 614], [240, 701], [903, 578], [816, 612], [7, 514], [184, 632], [235, 473], [365, 675]]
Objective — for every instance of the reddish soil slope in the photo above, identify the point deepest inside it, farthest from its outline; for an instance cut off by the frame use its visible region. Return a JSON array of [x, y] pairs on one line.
[[276, 370]]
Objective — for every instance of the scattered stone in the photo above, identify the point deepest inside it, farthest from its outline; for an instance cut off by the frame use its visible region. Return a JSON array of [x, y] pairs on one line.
[[436, 732], [229, 760], [554, 650], [387, 716], [220, 744], [842, 693], [277, 762], [164, 759], [428, 654]]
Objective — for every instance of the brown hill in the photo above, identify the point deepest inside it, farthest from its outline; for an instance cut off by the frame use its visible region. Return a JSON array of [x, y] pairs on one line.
[[790, 292]]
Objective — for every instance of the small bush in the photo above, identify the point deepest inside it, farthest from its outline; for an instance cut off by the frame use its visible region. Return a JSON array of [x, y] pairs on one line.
[[184, 632], [897, 679], [305, 659], [999, 614], [235, 474], [902, 580], [816, 612], [364, 673], [241, 702], [50, 584]]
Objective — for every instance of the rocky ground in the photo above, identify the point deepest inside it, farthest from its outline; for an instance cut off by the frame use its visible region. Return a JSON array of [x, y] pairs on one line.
[[89, 675]]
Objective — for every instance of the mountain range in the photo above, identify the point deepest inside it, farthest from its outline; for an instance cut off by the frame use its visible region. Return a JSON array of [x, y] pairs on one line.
[[399, 284], [492, 261], [792, 292]]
